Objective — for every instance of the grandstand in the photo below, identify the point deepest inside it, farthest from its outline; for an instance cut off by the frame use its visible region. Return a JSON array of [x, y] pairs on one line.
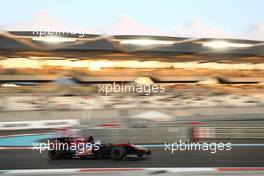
[[45, 65]]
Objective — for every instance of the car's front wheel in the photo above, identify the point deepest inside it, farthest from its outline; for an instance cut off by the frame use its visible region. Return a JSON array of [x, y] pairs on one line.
[[118, 153]]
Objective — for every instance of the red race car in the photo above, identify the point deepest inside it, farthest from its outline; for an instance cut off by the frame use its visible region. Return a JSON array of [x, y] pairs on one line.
[[79, 147]]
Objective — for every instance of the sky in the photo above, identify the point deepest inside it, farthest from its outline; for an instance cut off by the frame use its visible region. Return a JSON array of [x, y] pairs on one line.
[[237, 15]]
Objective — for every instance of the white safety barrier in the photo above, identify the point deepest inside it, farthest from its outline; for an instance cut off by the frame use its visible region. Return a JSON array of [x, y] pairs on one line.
[[43, 124]]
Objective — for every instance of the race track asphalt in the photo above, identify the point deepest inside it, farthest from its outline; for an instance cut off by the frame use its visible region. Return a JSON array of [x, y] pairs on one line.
[[237, 157]]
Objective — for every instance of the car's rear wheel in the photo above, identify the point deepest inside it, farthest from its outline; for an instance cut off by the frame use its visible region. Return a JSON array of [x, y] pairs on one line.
[[118, 153], [54, 154]]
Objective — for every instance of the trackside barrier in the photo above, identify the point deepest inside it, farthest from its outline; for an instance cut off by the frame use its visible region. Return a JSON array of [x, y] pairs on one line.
[[253, 131], [140, 135]]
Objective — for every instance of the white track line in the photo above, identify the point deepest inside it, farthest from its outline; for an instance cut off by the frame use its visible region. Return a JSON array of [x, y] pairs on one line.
[[115, 170], [205, 169]]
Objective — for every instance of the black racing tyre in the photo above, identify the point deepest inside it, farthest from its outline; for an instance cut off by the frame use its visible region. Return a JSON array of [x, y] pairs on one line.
[[140, 155], [118, 153], [54, 154]]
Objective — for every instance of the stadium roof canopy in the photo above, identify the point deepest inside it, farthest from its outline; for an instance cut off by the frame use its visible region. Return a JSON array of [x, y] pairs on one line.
[[28, 44]]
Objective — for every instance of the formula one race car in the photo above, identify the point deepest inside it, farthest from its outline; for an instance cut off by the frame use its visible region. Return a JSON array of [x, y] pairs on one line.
[[75, 147]]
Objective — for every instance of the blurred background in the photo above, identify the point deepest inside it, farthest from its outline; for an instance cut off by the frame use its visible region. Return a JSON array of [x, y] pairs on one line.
[[213, 75]]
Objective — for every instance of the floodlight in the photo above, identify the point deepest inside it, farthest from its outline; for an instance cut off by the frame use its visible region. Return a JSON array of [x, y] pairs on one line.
[[224, 44], [52, 39]]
